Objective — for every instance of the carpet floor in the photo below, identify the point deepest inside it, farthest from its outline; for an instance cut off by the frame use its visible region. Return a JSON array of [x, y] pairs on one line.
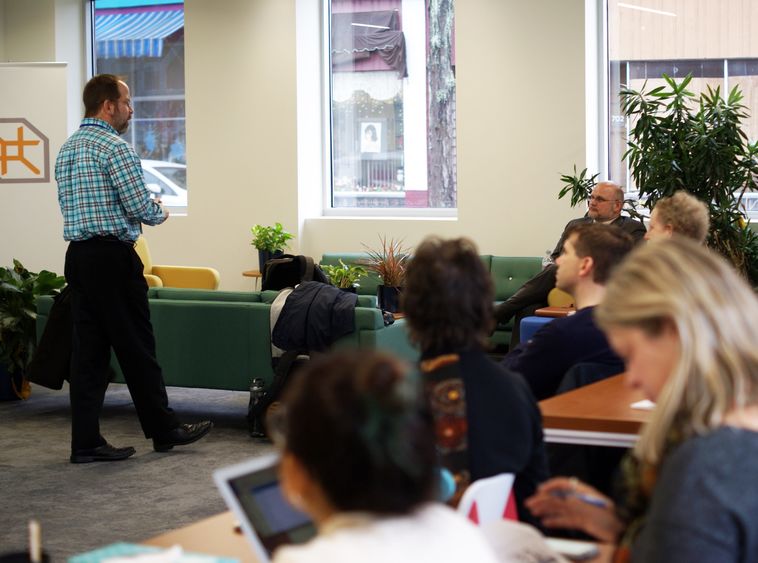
[[84, 506]]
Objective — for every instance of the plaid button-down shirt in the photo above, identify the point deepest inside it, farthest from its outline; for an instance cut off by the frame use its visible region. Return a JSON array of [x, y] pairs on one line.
[[101, 189]]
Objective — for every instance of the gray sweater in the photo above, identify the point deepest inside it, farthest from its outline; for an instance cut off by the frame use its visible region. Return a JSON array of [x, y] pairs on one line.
[[705, 503]]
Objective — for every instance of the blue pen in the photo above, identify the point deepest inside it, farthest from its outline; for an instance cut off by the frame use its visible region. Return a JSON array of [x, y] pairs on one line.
[[589, 499]]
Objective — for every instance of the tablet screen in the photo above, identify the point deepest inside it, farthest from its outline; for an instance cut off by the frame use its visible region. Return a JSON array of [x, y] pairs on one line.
[[271, 517]]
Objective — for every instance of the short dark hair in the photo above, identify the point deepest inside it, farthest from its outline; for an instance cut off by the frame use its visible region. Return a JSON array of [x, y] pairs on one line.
[[448, 296], [607, 245], [357, 423], [99, 89]]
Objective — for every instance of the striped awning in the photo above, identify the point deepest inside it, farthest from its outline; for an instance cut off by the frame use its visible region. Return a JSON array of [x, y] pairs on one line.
[[136, 32]]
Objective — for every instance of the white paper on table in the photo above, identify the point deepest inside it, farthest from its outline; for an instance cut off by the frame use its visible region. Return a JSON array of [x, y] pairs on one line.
[[643, 405]]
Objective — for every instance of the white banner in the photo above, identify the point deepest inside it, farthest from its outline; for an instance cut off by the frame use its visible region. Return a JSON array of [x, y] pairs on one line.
[[33, 126]]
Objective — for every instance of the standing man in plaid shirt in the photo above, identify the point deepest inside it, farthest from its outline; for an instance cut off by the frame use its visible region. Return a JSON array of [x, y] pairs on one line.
[[104, 201]]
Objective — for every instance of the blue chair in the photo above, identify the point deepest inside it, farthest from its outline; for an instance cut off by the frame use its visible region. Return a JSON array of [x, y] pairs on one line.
[[530, 325]]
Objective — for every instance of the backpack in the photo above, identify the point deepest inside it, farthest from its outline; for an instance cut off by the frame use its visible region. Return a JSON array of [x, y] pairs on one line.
[[289, 270]]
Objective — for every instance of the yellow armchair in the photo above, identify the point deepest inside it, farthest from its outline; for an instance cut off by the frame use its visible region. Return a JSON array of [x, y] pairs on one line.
[[559, 298], [175, 276]]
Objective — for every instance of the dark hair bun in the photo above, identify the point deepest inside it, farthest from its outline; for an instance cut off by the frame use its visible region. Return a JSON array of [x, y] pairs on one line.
[[357, 422]]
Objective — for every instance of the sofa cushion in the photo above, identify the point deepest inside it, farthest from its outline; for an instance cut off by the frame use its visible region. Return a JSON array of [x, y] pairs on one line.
[[509, 273]]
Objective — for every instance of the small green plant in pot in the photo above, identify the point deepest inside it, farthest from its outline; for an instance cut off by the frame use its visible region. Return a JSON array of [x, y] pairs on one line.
[[19, 289], [345, 276], [390, 263], [270, 241]]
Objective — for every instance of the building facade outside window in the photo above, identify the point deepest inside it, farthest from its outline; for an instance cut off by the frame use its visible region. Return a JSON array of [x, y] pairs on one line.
[[711, 39], [143, 42], [391, 74]]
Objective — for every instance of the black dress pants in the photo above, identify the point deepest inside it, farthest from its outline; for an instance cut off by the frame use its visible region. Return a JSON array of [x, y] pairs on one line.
[[110, 310], [529, 297]]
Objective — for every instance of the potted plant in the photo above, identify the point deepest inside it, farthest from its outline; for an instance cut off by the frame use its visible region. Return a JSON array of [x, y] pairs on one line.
[[345, 277], [389, 262], [19, 289], [270, 242], [679, 141]]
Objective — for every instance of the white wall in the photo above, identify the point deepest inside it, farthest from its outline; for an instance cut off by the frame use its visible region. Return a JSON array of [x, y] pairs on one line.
[[520, 125], [2, 31], [29, 30], [69, 22]]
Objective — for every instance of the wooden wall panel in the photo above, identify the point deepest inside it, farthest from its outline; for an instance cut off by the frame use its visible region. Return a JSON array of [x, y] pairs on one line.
[[701, 29]]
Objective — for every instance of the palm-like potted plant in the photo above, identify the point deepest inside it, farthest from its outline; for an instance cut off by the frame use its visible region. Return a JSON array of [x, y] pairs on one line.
[[270, 242], [19, 289], [679, 141], [345, 276], [389, 262]]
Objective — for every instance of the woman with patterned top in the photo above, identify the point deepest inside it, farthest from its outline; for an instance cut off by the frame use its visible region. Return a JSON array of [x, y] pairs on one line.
[[487, 419]]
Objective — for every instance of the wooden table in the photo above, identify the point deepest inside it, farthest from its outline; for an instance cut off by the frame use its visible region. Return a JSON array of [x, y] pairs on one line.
[[255, 274], [217, 535], [598, 414], [555, 312]]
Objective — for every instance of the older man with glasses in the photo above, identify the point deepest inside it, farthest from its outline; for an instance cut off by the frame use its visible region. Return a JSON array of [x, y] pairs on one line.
[[605, 205]]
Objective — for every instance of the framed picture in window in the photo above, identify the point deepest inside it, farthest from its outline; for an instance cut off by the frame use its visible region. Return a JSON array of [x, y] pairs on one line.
[[371, 136]]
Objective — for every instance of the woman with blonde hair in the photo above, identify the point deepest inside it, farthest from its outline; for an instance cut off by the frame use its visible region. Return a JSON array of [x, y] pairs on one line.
[[681, 214], [684, 322]]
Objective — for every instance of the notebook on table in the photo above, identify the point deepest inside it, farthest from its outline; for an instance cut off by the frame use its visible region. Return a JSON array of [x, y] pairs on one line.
[[252, 492]]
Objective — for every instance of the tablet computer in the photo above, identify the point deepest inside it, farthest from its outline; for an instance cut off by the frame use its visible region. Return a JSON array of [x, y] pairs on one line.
[[251, 491]]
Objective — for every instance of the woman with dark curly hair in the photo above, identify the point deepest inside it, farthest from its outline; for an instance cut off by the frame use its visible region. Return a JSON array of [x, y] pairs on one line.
[[487, 419], [359, 458]]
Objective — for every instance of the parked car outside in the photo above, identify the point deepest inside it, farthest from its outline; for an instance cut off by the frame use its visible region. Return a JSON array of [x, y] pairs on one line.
[[167, 180]]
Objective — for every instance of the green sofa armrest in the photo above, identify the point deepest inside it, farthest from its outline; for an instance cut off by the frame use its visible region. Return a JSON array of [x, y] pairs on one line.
[[204, 295]]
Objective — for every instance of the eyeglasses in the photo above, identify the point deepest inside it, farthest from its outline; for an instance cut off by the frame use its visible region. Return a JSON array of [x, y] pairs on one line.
[[598, 199]]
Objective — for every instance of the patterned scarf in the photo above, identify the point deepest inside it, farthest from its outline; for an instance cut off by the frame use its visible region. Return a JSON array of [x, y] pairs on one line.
[[445, 390]]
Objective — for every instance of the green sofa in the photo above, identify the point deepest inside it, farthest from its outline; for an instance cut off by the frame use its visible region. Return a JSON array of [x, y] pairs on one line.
[[222, 339], [508, 273]]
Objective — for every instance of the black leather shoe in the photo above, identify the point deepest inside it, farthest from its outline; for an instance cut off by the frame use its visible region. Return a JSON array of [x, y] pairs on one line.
[[181, 435], [106, 452]]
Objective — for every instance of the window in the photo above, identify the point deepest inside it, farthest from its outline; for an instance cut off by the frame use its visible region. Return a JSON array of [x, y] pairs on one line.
[[392, 104], [707, 38], [143, 42]]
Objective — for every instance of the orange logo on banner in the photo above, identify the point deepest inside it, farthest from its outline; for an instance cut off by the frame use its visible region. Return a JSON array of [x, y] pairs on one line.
[[24, 152]]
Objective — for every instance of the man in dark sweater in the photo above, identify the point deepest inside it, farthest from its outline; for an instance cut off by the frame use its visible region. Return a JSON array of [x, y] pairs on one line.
[[590, 252], [604, 206]]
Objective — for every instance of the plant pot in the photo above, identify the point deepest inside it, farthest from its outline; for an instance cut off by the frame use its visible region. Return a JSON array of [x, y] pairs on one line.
[[389, 298], [266, 255], [349, 289]]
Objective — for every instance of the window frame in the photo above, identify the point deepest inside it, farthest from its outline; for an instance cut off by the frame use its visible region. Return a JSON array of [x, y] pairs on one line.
[[598, 102], [325, 136], [91, 67]]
